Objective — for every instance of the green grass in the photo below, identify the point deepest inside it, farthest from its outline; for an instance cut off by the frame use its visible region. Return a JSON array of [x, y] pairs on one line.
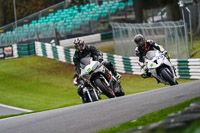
[[195, 51], [37, 83], [150, 118], [107, 49]]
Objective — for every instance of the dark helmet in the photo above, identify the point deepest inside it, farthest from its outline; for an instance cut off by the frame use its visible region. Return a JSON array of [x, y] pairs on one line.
[[139, 40], [79, 44]]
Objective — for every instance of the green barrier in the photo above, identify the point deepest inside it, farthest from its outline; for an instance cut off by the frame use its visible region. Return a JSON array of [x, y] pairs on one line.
[[111, 59], [67, 55], [26, 49], [55, 53], [106, 35], [127, 65], [44, 52], [183, 69]]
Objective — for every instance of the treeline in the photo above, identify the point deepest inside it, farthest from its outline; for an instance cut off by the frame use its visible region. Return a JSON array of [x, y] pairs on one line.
[[23, 9]]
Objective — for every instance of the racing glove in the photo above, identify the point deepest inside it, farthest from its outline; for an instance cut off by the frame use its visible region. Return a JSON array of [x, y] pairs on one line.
[[100, 59], [75, 81], [141, 64]]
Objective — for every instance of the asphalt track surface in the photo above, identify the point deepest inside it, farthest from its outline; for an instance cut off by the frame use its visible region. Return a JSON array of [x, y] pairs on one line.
[[9, 110], [91, 117]]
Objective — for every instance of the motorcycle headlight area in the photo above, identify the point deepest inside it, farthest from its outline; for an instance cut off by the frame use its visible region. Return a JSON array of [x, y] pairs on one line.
[[86, 76]]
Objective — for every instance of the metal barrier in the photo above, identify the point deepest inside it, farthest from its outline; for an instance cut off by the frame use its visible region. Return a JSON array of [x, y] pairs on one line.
[[171, 35]]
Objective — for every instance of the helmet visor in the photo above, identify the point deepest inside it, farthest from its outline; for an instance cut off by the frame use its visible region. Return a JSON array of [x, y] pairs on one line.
[[139, 42], [79, 47]]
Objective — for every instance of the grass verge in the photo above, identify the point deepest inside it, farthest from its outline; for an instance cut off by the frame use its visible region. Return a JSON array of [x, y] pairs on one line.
[[37, 83], [150, 118]]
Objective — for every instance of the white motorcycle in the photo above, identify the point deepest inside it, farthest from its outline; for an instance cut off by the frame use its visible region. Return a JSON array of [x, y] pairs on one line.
[[100, 78], [160, 68]]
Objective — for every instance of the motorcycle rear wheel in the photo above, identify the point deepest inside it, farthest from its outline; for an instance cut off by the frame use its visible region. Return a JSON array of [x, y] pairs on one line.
[[107, 91], [167, 75]]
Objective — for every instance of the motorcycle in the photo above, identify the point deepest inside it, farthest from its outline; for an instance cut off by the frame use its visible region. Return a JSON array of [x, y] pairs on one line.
[[160, 68], [100, 78]]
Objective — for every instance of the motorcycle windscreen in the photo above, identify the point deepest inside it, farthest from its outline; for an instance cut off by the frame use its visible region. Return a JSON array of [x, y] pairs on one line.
[[85, 61], [150, 54]]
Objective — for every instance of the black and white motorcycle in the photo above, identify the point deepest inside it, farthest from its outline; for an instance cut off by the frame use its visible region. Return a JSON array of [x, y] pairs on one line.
[[100, 78], [160, 67]]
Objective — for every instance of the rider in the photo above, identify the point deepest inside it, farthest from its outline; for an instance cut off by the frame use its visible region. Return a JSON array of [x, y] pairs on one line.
[[143, 46], [83, 50]]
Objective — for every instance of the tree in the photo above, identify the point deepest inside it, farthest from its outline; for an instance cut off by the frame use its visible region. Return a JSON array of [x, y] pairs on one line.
[[78, 2], [23, 9], [172, 8], [1, 14], [198, 17], [138, 7], [6, 11]]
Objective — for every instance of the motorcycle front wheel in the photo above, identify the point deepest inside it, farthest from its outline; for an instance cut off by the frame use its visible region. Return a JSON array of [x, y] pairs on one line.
[[93, 96], [104, 88], [167, 75]]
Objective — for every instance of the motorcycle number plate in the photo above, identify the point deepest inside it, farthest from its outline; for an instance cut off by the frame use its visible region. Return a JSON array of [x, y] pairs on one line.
[[159, 57]]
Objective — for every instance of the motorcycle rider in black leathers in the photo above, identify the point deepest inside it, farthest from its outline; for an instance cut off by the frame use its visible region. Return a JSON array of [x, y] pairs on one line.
[[143, 46], [83, 50]]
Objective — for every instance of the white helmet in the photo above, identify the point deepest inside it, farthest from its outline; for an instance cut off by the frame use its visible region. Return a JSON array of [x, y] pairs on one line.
[[79, 44]]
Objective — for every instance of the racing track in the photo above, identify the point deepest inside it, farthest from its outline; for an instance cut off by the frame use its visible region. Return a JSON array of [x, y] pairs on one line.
[[89, 118], [9, 110]]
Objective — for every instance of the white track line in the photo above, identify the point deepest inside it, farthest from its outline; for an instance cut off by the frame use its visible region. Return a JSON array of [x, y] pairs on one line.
[[15, 108]]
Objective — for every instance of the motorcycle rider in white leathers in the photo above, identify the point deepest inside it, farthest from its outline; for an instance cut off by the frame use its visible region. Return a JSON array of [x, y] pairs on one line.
[[143, 46]]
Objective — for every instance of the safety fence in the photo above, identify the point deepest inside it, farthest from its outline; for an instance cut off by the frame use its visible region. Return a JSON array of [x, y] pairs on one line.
[[171, 35], [186, 69]]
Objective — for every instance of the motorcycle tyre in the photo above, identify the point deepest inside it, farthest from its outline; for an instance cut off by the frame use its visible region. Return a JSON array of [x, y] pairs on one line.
[[107, 91], [93, 96], [168, 77], [84, 99]]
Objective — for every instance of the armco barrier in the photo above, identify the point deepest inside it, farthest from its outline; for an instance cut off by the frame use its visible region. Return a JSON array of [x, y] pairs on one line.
[[54, 52], [186, 69]]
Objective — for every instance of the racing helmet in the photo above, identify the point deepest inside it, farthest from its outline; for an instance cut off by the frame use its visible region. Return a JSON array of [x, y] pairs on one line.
[[139, 40], [79, 44]]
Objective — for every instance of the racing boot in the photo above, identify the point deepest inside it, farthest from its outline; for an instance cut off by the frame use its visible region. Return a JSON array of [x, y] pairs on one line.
[[158, 81], [118, 76]]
